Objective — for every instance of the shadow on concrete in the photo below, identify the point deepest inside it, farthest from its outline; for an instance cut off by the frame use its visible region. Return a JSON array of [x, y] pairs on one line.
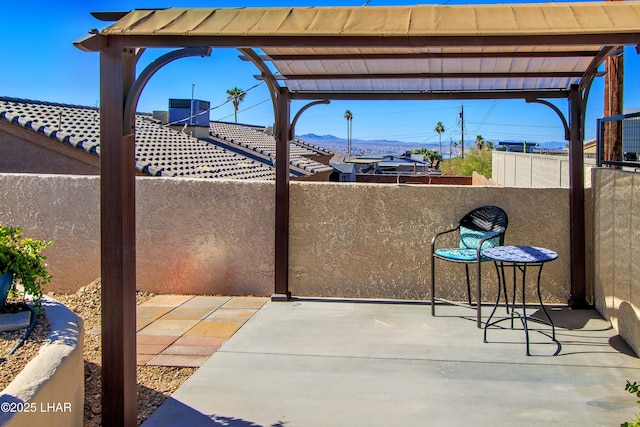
[[174, 412]]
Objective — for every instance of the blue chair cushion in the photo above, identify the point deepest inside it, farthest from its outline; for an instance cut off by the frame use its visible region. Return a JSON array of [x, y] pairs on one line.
[[458, 254], [470, 239]]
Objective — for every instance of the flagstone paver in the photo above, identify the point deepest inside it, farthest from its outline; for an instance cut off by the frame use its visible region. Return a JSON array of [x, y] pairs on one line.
[[215, 329], [168, 327], [196, 340], [143, 359], [188, 313], [206, 301], [143, 323], [184, 331], [148, 311], [190, 350], [246, 302], [232, 314], [168, 300], [177, 360], [165, 340], [150, 348]]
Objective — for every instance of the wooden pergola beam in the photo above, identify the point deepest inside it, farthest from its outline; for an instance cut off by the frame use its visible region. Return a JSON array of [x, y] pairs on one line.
[[428, 95], [249, 41], [424, 76], [429, 55]]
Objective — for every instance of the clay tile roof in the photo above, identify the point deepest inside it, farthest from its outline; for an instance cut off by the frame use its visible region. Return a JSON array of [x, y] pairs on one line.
[[160, 151]]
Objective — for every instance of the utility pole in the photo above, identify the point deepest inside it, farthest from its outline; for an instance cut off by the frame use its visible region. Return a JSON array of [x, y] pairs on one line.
[[613, 88], [462, 129], [193, 86]]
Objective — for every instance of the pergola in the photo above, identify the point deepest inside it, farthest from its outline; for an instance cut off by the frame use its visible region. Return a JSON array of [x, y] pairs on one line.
[[534, 52]]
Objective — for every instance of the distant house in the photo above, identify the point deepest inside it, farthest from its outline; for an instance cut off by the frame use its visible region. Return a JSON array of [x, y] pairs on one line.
[[389, 163], [46, 137], [517, 147], [343, 172]]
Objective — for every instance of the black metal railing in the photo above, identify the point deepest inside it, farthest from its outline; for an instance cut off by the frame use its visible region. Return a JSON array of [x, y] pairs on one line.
[[624, 132]]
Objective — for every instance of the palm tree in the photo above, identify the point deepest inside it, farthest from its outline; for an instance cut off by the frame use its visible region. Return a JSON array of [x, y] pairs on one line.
[[455, 148], [479, 142], [237, 96], [439, 129], [349, 117]]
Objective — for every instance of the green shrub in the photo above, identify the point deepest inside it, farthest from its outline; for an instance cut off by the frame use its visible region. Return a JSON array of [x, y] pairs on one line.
[[23, 257], [478, 161]]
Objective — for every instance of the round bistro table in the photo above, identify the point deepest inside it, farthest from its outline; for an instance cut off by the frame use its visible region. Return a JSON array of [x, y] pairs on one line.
[[519, 258]]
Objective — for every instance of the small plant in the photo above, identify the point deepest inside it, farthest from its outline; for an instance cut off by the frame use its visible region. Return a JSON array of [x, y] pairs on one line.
[[23, 257], [475, 161], [633, 389]]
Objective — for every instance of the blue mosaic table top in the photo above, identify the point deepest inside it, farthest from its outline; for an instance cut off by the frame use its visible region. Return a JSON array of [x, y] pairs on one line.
[[523, 254]]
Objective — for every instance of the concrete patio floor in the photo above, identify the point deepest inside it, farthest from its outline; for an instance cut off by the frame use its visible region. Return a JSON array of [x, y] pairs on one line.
[[320, 363]]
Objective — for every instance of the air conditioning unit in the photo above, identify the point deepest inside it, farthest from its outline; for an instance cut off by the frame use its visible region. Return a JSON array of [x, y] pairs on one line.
[[189, 111]]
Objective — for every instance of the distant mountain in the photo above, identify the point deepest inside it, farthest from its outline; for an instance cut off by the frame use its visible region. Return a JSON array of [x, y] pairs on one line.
[[313, 136], [363, 146], [385, 146]]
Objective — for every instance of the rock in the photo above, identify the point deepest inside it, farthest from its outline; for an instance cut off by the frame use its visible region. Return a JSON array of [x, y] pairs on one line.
[[14, 321]]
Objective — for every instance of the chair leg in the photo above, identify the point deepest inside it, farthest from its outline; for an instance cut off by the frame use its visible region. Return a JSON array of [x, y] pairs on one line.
[[433, 286], [479, 295], [466, 268]]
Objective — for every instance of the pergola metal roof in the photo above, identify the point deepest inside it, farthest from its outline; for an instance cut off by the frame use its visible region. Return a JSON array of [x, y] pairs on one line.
[[534, 52], [420, 52]]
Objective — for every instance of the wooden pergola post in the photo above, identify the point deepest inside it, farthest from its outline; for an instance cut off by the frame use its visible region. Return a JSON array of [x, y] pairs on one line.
[[117, 238], [281, 291], [576, 199]]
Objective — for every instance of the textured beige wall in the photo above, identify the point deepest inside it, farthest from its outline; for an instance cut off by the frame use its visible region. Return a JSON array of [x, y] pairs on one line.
[[616, 246], [373, 241], [23, 151], [205, 236], [346, 240], [193, 236], [63, 209]]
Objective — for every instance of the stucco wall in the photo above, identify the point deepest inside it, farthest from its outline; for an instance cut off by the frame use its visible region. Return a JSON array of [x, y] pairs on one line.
[[193, 236], [616, 246], [346, 240], [61, 208], [534, 170], [41, 155], [373, 241], [205, 236]]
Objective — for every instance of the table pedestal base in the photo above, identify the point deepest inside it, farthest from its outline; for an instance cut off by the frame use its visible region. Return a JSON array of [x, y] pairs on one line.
[[522, 267]]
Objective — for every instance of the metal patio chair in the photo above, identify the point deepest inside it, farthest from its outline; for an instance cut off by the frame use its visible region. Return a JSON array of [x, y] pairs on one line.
[[482, 228]]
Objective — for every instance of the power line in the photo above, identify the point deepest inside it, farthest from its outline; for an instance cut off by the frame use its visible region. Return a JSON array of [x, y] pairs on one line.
[[218, 106]]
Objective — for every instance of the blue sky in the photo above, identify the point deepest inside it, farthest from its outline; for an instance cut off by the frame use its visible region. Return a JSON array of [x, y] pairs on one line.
[[39, 62]]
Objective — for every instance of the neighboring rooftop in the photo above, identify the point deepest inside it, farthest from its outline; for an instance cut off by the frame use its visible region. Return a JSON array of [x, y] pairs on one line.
[[162, 150], [258, 141]]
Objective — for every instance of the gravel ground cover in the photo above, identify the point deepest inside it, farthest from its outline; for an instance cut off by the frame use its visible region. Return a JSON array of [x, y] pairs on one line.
[[155, 383], [12, 364]]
